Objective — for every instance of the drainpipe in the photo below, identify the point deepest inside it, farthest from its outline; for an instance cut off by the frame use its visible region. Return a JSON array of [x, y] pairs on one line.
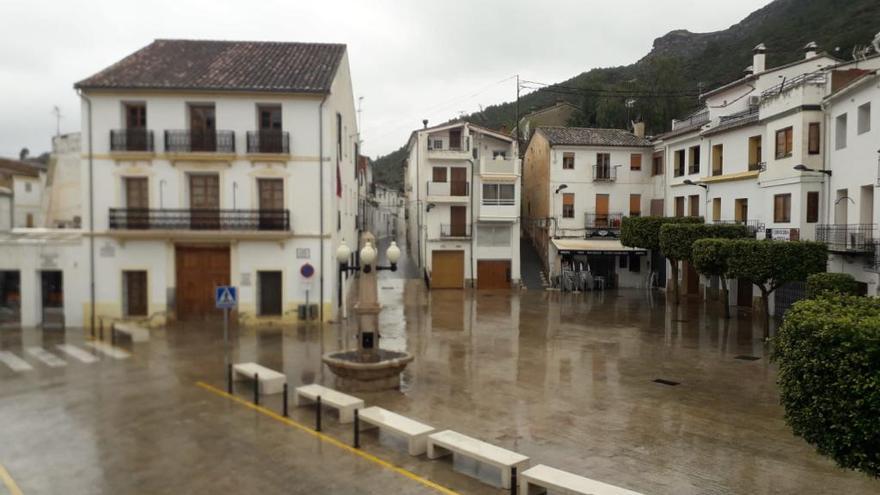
[[473, 227], [91, 211], [321, 202]]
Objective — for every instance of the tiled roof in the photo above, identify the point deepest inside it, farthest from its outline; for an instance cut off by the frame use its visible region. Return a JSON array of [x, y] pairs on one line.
[[588, 136], [17, 167], [224, 66]]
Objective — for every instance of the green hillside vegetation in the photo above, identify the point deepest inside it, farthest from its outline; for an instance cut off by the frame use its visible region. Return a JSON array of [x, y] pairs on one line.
[[685, 64]]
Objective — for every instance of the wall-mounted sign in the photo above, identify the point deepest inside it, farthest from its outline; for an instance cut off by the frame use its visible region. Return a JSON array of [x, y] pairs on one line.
[[303, 253]]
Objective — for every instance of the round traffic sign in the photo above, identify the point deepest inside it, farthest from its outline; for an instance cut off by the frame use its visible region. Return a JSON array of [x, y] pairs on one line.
[[307, 270]]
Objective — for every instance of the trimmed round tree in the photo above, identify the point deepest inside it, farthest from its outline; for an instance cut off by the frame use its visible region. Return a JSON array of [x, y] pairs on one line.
[[828, 352], [644, 232], [835, 283], [772, 264], [677, 240], [711, 258]]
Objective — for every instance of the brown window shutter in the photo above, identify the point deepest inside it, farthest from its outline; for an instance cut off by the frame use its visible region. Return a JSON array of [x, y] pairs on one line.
[[635, 205], [635, 161], [568, 199], [812, 207], [814, 138], [439, 174]]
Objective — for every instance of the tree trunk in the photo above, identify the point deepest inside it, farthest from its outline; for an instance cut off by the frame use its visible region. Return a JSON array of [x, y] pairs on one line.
[[765, 302], [675, 297], [725, 297]]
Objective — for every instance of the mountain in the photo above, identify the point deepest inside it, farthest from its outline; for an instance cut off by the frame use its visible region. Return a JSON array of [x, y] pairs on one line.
[[684, 64]]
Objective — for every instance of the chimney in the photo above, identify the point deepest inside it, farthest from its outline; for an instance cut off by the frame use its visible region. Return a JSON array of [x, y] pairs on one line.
[[639, 129], [810, 50], [424, 123], [759, 59]]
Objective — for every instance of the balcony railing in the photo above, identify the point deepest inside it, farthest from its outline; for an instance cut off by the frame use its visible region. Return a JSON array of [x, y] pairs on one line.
[[131, 140], [505, 166], [852, 238], [198, 219], [816, 78], [455, 230], [268, 141], [604, 173], [607, 221], [464, 144], [753, 226], [698, 118], [453, 188], [194, 141]]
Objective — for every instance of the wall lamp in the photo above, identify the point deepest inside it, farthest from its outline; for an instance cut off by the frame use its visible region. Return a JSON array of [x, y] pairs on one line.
[[692, 183], [804, 168], [561, 187], [429, 207]]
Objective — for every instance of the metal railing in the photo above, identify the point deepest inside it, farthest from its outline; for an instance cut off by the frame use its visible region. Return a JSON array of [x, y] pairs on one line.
[[817, 78], [452, 188], [607, 221], [698, 118], [752, 225], [198, 219], [193, 140], [854, 238], [463, 145], [694, 168], [131, 140], [498, 201], [455, 230], [604, 173], [268, 141]]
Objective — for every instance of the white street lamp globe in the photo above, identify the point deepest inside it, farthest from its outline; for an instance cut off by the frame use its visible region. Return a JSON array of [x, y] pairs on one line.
[[343, 253], [393, 253], [368, 254]]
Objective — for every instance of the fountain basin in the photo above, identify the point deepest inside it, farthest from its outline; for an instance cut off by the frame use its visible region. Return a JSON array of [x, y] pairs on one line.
[[357, 371]]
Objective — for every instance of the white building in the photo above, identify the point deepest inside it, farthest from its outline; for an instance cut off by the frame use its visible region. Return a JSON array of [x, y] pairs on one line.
[[21, 194], [579, 184], [209, 163], [852, 115], [463, 201]]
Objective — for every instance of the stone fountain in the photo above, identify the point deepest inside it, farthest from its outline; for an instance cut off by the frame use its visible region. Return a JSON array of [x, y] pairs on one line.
[[367, 368]]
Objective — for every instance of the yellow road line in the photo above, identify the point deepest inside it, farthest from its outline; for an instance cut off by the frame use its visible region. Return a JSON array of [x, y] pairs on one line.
[[9, 482], [328, 439]]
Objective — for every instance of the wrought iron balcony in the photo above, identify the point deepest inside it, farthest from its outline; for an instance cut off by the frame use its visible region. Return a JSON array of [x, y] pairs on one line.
[[455, 230], [198, 219], [753, 226], [847, 238], [604, 173], [131, 140], [602, 224], [197, 141], [268, 141]]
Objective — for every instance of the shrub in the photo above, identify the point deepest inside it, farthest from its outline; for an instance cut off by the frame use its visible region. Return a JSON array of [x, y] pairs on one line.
[[835, 283], [828, 351], [772, 264]]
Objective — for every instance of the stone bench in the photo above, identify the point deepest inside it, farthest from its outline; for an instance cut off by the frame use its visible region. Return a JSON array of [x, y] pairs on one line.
[[448, 442], [416, 433], [135, 332], [343, 403], [541, 479], [271, 381]]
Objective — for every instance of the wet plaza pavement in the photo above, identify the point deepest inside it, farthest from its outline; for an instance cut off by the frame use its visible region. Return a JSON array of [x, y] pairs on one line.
[[567, 379]]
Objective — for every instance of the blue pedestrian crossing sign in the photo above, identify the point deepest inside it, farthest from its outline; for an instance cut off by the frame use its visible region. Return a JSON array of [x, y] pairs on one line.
[[225, 297]]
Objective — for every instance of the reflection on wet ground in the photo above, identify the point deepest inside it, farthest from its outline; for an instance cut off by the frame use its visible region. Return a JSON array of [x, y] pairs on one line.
[[568, 379]]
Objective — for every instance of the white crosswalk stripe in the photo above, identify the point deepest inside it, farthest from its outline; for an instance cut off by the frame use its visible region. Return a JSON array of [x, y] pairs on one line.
[[108, 350], [49, 359], [14, 362], [77, 353]]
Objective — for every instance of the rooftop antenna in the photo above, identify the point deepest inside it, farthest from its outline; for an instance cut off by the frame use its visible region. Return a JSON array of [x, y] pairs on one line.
[[57, 113]]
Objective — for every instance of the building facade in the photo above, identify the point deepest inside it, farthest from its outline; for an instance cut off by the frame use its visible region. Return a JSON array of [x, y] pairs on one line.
[[463, 202], [211, 163]]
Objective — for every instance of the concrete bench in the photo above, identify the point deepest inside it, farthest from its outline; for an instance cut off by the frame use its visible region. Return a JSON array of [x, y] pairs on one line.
[[271, 381], [416, 433], [343, 403], [541, 479], [448, 442], [135, 332]]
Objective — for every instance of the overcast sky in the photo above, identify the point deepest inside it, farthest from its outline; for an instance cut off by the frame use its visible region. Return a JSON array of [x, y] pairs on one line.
[[410, 59]]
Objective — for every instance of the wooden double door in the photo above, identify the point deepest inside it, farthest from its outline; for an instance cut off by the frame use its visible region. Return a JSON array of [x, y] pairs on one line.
[[493, 274], [200, 269]]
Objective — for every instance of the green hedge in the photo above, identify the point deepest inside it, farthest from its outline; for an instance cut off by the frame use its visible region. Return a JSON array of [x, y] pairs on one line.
[[644, 232], [835, 283], [711, 256], [828, 351], [772, 264], [677, 239]]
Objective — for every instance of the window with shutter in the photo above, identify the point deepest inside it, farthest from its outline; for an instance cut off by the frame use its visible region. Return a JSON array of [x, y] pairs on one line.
[[812, 207], [635, 161]]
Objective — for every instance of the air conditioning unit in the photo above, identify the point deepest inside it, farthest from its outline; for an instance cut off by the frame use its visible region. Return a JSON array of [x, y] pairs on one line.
[[754, 100]]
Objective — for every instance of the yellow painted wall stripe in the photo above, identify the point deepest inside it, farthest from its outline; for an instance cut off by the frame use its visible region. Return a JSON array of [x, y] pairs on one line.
[[329, 439], [9, 482]]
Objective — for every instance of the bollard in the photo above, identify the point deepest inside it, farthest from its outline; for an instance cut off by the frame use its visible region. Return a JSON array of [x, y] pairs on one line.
[[357, 430], [229, 379], [256, 389], [101, 328], [513, 480], [318, 415], [284, 402], [113, 334]]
